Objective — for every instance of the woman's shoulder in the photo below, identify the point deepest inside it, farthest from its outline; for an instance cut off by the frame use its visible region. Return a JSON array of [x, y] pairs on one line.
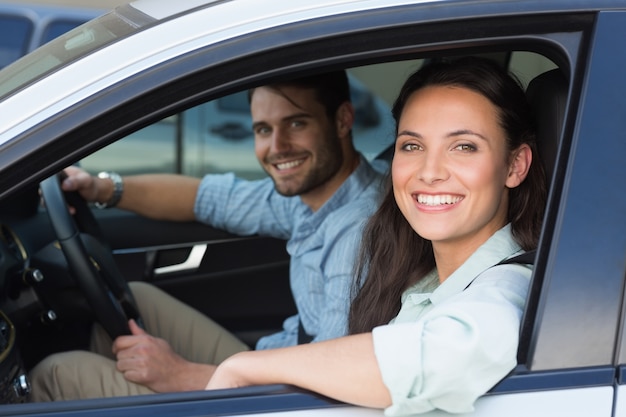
[[511, 276]]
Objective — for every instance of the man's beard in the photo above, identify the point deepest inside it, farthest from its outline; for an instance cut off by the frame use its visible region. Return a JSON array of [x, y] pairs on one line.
[[329, 160]]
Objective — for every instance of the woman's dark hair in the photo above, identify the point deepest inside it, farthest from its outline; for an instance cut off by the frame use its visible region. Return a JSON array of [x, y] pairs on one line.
[[392, 255]]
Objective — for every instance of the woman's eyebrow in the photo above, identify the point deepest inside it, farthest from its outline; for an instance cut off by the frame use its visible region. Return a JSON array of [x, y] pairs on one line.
[[461, 132], [409, 133]]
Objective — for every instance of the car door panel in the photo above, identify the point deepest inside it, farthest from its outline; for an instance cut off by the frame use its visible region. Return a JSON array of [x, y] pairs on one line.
[[242, 282], [580, 402], [620, 403]]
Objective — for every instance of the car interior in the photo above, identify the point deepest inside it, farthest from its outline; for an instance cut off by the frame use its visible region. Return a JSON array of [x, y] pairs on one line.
[[44, 307]]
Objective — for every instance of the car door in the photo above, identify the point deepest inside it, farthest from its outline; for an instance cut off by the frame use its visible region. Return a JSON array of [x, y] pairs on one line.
[[574, 319]]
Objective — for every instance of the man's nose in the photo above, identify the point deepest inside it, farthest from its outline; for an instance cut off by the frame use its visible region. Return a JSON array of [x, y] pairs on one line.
[[279, 142]]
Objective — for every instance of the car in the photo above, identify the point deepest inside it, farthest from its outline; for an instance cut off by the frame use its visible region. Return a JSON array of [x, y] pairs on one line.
[[147, 62]]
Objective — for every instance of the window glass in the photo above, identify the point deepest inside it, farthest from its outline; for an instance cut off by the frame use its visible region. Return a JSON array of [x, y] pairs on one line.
[[15, 33], [527, 65], [152, 149]]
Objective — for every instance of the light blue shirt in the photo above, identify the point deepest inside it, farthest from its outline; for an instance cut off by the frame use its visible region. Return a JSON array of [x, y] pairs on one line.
[[451, 342], [322, 244]]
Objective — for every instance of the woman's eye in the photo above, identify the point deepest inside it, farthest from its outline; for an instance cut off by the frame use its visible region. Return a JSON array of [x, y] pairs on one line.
[[466, 147], [409, 147]]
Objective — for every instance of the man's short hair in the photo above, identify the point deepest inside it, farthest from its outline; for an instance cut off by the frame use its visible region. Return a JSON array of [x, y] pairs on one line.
[[331, 89]]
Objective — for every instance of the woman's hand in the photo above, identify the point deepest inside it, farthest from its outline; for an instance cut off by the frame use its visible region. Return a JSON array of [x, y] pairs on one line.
[[231, 373]]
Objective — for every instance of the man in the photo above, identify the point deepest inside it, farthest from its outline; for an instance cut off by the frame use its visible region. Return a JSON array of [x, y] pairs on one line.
[[318, 196]]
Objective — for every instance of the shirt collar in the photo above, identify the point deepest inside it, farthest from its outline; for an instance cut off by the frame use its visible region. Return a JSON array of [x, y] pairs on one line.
[[498, 247]]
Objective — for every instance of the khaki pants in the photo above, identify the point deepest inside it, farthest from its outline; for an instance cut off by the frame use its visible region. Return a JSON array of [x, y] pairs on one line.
[[83, 374]]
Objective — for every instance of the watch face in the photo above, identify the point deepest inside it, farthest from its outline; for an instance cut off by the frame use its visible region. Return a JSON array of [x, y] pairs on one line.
[[118, 189]]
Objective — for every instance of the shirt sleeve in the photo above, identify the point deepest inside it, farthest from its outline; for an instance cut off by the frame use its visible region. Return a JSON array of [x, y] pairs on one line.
[[243, 207], [287, 337], [459, 349]]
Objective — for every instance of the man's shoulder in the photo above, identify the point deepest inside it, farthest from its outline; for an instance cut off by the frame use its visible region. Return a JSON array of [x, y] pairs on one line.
[[367, 178], [362, 196], [360, 208]]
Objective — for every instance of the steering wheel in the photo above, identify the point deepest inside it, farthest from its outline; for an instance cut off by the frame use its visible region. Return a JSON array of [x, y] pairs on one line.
[[90, 258]]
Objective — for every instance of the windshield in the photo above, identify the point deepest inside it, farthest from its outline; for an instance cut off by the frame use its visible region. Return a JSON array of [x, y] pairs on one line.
[[76, 43]]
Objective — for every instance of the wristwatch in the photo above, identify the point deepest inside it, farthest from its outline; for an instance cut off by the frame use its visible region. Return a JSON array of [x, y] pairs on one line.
[[118, 189]]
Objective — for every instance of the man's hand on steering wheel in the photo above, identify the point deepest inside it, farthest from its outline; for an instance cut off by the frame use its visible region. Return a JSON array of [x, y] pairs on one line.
[[88, 255]]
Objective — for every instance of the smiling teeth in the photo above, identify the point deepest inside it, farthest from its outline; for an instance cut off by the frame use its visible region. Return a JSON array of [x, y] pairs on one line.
[[438, 200], [290, 164]]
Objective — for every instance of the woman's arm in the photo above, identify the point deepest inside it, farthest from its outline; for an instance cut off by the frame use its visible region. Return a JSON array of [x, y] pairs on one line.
[[344, 369]]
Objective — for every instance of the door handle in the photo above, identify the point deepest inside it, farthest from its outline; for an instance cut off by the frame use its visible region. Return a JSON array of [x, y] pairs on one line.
[[192, 262]]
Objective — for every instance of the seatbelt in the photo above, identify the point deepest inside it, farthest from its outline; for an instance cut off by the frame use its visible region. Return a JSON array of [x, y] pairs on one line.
[[523, 258]]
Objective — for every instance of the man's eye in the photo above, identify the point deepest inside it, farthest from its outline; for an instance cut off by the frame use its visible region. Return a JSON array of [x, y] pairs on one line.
[[262, 131], [297, 123]]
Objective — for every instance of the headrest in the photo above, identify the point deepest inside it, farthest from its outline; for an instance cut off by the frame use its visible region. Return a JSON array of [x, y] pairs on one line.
[[547, 95]]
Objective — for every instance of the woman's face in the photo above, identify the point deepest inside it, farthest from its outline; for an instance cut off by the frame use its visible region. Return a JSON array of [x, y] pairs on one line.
[[451, 167]]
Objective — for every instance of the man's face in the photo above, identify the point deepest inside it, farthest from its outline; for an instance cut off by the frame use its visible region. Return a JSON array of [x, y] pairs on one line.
[[295, 142]]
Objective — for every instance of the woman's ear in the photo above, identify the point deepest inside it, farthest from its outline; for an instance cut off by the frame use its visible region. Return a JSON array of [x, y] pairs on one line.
[[520, 164], [344, 119]]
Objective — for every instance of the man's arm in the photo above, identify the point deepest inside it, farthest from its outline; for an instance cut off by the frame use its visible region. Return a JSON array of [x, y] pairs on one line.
[[158, 196]]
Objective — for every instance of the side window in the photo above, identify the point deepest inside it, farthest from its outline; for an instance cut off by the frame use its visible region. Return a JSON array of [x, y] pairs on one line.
[[153, 149], [527, 65], [373, 129], [217, 137], [15, 34]]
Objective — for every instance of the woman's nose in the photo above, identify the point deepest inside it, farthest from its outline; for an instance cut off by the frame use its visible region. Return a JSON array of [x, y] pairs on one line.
[[433, 167]]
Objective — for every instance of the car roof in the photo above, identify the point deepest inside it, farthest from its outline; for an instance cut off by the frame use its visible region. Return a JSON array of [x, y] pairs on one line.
[[172, 29]]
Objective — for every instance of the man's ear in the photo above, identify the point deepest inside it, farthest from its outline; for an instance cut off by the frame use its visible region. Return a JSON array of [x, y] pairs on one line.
[[344, 119], [520, 164]]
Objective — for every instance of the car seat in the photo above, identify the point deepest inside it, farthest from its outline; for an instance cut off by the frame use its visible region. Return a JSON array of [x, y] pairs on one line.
[[547, 95]]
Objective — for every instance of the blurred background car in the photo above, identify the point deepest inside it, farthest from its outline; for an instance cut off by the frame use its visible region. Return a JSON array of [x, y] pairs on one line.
[[24, 26]]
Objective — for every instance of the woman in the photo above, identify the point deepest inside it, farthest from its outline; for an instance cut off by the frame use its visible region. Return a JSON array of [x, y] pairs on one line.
[[465, 195]]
